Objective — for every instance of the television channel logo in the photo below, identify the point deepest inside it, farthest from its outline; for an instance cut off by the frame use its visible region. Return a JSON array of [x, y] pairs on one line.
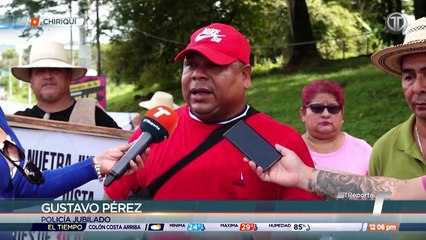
[[56, 21], [396, 23]]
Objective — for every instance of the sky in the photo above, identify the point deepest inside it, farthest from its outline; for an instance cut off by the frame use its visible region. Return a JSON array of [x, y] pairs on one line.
[[10, 36], [62, 34]]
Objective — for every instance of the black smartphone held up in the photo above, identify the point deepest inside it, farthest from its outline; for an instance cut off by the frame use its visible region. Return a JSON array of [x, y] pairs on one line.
[[252, 145]]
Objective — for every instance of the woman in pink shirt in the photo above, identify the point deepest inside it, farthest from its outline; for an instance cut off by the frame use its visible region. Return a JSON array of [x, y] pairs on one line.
[[330, 147]]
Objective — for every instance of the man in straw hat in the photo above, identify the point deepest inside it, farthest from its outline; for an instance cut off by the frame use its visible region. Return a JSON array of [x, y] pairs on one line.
[[50, 76], [400, 153], [216, 74]]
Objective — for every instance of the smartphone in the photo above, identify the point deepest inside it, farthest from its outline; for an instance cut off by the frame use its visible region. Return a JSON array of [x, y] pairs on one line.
[[252, 145]]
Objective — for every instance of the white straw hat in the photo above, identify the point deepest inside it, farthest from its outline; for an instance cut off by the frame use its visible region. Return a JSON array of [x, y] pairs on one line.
[[389, 59], [47, 54], [159, 98]]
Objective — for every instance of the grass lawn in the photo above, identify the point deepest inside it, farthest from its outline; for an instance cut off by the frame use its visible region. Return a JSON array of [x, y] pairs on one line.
[[374, 101]]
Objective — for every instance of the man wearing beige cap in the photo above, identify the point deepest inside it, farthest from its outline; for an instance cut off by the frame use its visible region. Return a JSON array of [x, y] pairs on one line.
[[400, 153], [216, 74], [50, 76], [159, 98]]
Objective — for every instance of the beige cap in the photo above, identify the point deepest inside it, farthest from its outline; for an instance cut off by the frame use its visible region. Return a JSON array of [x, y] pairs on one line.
[[159, 98]]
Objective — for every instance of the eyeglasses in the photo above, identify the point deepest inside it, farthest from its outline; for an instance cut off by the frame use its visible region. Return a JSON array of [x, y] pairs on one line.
[[14, 154], [319, 108]]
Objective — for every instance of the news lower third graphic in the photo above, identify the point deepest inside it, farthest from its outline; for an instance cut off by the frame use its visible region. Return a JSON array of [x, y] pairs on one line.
[[328, 217], [12, 22], [225, 226]]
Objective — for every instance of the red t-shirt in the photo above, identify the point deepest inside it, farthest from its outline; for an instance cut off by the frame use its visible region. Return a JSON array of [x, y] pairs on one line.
[[220, 173]]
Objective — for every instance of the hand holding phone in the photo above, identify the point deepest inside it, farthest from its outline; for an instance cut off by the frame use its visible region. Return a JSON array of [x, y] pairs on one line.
[[252, 145]]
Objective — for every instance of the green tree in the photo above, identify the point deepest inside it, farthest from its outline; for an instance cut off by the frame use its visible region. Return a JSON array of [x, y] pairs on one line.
[[337, 30], [62, 8], [374, 13], [150, 33], [146, 35], [8, 56], [303, 43], [30, 8]]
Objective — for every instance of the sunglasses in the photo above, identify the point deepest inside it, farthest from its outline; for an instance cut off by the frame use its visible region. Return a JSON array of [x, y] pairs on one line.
[[14, 155], [319, 108]]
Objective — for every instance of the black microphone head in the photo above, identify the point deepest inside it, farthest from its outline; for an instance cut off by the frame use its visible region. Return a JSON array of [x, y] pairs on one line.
[[160, 122]]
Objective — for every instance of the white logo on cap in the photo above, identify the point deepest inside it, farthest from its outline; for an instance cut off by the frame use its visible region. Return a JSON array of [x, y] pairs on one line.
[[210, 33]]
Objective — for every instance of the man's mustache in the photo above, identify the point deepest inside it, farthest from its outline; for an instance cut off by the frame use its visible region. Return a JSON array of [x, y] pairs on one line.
[[419, 98]]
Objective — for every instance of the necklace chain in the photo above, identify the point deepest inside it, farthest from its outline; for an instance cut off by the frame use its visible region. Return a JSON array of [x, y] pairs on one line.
[[46, 115], [418, 140], [319, 147]]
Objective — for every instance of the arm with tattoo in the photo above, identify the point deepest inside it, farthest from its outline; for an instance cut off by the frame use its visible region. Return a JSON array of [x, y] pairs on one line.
[[329, 184], [291, 172]]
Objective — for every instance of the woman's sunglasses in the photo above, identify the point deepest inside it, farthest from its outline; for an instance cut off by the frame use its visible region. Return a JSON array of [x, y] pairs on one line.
[[319, 108], [14, 155]]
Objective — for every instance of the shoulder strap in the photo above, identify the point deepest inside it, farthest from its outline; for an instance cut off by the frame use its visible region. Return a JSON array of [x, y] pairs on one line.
[[215, 137], [84, 111]]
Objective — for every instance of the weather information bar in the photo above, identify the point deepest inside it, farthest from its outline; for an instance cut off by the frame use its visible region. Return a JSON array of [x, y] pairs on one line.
[[186, 227], [217, 227]]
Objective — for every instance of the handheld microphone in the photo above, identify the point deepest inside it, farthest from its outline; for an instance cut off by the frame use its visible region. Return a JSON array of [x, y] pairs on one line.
[[157, 125]]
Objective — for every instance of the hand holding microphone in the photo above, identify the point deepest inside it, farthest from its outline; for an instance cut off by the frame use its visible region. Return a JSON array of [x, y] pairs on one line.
[[157, 125]]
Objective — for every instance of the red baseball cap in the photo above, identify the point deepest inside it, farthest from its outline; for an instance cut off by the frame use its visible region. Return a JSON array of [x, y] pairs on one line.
[[220, 43]]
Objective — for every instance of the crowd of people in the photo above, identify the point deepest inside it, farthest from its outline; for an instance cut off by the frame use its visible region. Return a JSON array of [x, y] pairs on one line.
[[216, 74]]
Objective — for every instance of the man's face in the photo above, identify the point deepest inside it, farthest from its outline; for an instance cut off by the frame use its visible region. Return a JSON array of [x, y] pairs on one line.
[[414, 82], [214, 92], [50, 84]]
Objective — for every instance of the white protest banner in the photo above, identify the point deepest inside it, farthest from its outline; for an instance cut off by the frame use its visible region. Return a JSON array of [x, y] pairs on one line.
[[125, 120], [54, 144]]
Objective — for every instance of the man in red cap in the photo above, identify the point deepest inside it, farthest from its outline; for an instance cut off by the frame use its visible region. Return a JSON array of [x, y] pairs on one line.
[[216, 74]]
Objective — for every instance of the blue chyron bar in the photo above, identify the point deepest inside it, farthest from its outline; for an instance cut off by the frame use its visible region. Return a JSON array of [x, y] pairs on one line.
[[330, 219], [12, 22], [412, 227]]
